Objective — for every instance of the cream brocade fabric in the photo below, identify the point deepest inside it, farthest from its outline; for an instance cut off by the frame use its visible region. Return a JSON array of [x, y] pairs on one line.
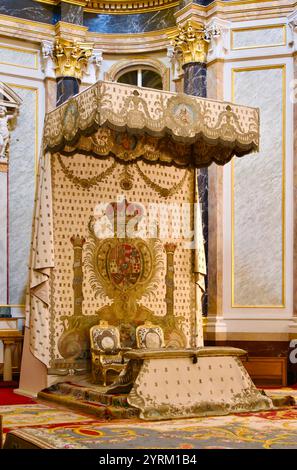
[[41, 262], [178, 388], [51, 267]]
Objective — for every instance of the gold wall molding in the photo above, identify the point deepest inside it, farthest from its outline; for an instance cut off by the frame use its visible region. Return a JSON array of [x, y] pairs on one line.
[[82, 3], [238, 10], [74, 32], [115, 7], [22, 50], [248, 59], [259, 28], [153, 41], [138, 43], [142, 6], [126, 65], [284, 108], [25, 30]]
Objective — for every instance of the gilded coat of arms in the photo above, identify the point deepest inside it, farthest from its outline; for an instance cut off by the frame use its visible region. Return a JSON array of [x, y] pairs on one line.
[[123, 270]]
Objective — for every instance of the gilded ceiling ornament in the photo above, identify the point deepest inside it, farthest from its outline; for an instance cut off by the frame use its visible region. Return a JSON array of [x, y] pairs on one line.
[[191, 44], [118, 6], [71, 58]]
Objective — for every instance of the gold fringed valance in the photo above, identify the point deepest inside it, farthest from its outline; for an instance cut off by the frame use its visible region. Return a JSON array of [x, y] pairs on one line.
[[156, 126]]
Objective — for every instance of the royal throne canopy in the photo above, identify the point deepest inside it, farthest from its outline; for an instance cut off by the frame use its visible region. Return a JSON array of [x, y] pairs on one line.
[[140, 146]]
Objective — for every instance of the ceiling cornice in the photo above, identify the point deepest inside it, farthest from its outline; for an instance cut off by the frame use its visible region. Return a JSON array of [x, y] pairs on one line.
[[116, 7]]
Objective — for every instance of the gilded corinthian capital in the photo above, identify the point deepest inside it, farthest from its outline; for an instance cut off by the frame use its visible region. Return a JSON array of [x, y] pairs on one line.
[[71, 57], [191, 44]]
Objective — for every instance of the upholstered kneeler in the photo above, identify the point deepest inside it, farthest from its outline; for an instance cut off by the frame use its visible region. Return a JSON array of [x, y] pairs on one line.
[[188, 383]]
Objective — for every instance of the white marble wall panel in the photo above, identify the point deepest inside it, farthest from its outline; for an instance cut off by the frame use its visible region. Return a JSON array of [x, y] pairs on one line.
[[20, 57], [3, 238], [258, 247], [262, 37], [21, 191]]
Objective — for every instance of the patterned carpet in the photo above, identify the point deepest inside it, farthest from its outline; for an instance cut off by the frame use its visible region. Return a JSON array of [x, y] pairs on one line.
[[265, 430], [54, 427], [17, 416]]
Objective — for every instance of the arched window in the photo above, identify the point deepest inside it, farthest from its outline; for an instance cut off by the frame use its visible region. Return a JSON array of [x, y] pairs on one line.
[[139, 76]]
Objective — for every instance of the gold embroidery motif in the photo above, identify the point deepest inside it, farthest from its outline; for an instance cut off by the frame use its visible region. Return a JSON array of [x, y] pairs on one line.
[[123, 285], [163, 192], [86, 183], [174, 126]]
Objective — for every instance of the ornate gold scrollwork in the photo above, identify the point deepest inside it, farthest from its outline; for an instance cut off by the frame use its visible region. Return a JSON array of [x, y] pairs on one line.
[[191, 44], [123, 270], [172, 130], [71, 57]]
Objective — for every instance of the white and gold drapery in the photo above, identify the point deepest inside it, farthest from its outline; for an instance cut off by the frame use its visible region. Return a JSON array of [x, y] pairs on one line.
[[41, 263], [199, 265], [177, 130]]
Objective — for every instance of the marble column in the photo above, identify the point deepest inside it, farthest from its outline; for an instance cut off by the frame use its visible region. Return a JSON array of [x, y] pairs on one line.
[[195, 84], [195, 79], [66, 87], [215, 90], [71, 59], [71, 13], [69, 16]]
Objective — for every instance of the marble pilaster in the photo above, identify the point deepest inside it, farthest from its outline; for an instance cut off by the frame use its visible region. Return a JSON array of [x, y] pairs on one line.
[[258, 196], [215, 90], [22, 164], [3, 238], [293, 44]]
